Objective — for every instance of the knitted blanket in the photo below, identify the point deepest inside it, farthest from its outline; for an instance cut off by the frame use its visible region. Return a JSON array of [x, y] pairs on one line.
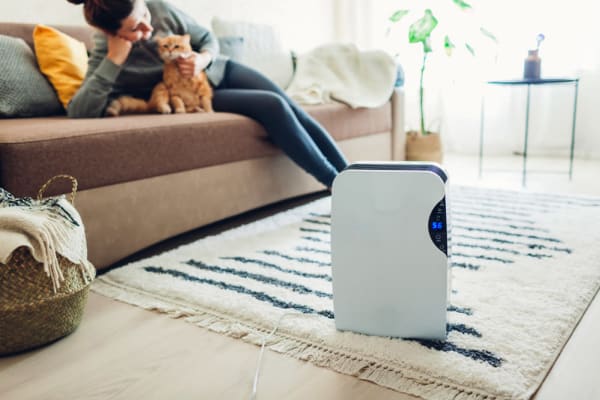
[[343, 73], [47, 227]]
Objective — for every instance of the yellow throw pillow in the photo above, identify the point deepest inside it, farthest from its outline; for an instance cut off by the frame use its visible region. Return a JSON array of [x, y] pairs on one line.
[[62, 59]]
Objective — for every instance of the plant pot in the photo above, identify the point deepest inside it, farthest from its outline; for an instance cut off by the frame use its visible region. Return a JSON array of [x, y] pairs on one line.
[[423, 147]]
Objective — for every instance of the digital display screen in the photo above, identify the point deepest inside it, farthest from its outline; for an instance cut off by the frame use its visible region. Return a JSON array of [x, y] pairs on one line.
[[437, 226]]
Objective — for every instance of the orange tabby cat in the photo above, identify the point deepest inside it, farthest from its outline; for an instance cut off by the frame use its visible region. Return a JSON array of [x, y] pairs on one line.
[[175, 93]]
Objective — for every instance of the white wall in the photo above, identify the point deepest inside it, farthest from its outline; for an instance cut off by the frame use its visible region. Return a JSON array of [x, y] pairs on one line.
[[41, 11], [303, 24]]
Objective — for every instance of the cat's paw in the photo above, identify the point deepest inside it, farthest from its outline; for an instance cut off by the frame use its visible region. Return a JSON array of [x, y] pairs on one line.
[[180, 110], [164, 109], [113, 109]]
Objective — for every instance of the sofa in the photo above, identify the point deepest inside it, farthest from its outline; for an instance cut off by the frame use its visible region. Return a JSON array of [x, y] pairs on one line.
[[145, 178]]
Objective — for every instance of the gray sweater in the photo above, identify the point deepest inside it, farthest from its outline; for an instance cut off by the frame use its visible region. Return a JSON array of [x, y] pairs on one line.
[[143, 68]]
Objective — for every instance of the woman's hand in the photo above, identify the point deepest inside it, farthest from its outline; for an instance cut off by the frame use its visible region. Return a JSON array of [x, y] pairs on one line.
[[118, 49], [193, 64]]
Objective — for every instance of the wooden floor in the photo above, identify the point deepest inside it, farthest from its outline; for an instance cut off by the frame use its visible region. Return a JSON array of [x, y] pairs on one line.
[[123, 352]]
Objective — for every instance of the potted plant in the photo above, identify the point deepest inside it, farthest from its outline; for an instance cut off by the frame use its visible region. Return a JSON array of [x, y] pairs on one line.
[[423, 145]]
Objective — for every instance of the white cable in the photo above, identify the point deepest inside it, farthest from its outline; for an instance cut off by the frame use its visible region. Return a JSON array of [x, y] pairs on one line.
[[260, 354]]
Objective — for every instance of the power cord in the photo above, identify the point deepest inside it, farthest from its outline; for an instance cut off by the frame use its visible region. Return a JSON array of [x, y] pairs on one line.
[[262, 350]]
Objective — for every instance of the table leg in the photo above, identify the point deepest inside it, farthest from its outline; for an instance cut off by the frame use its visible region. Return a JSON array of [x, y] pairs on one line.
[[573, 131], [526, 135], [482, 115]]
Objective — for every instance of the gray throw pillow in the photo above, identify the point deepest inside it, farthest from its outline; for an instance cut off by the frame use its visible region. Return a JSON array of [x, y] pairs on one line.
[[232, 46], [24, 91]]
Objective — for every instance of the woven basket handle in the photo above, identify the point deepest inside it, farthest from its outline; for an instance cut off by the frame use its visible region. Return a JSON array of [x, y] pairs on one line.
[[73, 186]]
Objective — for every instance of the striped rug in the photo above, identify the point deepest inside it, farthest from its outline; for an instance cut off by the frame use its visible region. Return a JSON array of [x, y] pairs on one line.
[[525, 266]]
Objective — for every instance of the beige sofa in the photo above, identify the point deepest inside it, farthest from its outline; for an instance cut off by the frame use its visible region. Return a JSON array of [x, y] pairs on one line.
[[143, 179]]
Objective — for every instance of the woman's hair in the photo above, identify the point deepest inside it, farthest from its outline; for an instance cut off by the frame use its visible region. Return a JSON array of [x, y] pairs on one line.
[[106, 14]]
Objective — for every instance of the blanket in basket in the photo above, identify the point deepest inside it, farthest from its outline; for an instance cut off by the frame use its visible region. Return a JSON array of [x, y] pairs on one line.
[[45, 226]]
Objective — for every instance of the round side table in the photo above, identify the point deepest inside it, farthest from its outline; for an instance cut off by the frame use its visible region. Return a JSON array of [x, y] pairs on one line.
[[529, 83]]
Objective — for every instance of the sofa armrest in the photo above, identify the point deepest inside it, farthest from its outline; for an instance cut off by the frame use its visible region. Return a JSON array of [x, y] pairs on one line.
[[398, 133]]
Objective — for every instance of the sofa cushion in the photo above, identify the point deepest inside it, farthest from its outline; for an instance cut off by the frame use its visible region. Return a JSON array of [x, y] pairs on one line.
[[62, 59], [106, 151], [232, 46], [24, 92], [262, 48], [25, 32]]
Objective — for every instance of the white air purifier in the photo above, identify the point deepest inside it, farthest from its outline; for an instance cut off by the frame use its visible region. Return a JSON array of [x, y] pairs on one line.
[[390, 247]]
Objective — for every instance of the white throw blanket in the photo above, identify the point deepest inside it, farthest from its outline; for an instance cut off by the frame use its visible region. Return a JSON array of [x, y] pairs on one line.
[[342, 72], [46, 227]]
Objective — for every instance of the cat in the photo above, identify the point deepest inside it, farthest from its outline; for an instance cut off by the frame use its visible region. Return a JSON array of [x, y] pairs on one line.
[[175, 93]]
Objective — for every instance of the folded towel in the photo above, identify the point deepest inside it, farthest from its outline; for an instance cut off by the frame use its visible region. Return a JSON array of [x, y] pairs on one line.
[[47, 227], [342, 72]]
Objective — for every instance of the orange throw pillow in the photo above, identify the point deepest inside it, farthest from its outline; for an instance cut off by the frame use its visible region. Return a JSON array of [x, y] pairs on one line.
[[62, 59]]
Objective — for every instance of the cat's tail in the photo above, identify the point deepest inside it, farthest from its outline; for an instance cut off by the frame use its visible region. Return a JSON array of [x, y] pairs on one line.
[[127, 105]]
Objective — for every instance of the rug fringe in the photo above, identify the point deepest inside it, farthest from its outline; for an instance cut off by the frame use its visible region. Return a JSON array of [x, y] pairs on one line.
[[408, 381]]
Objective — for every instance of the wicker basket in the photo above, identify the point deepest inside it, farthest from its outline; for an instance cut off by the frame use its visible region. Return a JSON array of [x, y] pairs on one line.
[[31, 312]]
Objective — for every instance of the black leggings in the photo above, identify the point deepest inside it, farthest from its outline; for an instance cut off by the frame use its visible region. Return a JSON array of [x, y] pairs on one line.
[[248, 92]]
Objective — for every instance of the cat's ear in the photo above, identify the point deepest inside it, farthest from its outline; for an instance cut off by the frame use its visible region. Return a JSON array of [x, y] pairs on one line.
[[187, 37]]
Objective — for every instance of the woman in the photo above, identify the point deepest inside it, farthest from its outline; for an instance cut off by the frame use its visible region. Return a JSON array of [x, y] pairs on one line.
[[125, 61]]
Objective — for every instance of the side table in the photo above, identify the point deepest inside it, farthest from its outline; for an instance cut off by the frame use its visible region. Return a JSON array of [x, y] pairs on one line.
[[529, 83]]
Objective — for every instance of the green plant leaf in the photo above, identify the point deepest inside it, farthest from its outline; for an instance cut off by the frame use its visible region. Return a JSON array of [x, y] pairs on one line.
[[462, 4], [420, 30], [471, 50], [448, 45], [489, 34], [397, 16]]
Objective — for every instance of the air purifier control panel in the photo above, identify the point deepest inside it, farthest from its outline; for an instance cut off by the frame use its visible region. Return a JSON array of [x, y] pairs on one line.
[[437, 226]]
